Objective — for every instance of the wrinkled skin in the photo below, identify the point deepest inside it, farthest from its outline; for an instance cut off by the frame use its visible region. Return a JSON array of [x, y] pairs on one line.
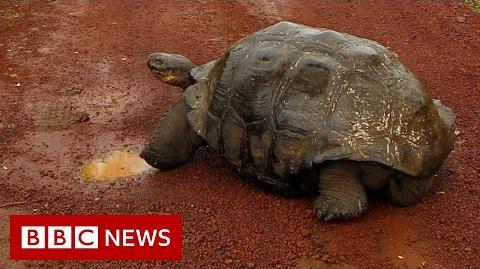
[[227, 105], [172, 69], [174, 141]]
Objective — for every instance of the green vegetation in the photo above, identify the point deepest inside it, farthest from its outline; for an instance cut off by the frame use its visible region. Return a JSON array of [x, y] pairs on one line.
[[473, 4]]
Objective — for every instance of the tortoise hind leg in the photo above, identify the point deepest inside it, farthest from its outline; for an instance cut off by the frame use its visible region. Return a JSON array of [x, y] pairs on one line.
[[341, 193], [404, 190], [173, 142]]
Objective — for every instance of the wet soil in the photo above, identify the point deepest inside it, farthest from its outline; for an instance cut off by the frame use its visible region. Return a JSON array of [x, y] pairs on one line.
[[49, 129], [116, 165]]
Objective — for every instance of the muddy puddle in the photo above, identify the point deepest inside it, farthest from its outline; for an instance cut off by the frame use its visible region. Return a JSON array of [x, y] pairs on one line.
[[117, 164]]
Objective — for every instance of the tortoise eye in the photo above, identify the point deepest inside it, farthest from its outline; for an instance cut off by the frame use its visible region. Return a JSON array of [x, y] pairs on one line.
[[264, 59], [160, 62]]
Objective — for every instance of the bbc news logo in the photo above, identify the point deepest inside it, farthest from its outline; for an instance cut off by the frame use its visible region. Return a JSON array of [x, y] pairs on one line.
[[86, 237], [34, 237], [96, 237]]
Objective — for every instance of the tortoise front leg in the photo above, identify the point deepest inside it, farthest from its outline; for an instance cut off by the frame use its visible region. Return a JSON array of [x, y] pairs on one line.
[[341, 193], [173, 142]]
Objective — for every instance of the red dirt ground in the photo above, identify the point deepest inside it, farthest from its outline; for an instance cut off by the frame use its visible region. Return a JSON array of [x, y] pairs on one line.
[[228, 223]]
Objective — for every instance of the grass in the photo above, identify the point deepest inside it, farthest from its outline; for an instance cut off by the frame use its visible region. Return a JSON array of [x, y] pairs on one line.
[[473, 4]]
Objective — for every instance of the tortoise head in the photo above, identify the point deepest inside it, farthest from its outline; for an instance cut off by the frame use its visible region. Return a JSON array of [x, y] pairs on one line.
[[173, 69]]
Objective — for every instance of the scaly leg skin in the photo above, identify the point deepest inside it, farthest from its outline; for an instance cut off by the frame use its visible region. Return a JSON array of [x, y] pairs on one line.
[[405, 190], [341, 194], [173, 142]]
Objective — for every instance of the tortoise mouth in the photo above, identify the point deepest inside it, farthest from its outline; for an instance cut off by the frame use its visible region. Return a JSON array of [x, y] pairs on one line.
[[166, 75]]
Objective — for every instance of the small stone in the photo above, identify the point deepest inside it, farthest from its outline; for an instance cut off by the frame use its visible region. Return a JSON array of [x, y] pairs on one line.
[[200, 239], [18, 84], [456, 132], [71, 90], [97, 199], [401, 257], [123, 58], [309, 213], [305, 232], [326, 258], [4, 167]]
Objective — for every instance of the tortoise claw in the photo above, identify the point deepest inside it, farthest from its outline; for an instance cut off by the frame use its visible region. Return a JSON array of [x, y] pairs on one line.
[[329, 208]]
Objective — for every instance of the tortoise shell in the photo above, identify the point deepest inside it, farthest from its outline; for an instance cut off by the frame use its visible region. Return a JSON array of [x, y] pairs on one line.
[[289, 97]]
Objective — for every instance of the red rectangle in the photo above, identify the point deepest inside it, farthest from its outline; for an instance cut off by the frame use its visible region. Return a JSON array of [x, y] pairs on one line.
[[118, 237]]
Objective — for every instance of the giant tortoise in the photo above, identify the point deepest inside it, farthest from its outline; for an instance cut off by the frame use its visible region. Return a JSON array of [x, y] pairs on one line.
[[304, 110]]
